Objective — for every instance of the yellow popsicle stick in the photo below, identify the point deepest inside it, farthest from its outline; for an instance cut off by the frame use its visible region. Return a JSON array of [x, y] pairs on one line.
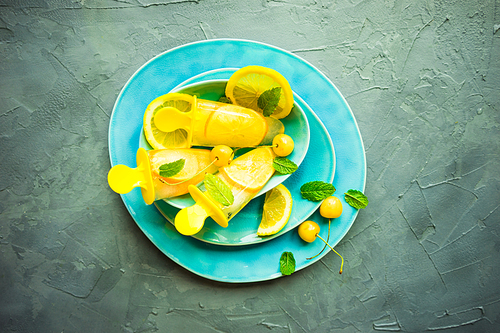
[[169, 118], [123, 179], [190, 220]]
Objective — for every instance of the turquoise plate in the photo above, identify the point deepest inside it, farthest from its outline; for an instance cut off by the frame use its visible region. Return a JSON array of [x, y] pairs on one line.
[[258, 262], [243, 227]]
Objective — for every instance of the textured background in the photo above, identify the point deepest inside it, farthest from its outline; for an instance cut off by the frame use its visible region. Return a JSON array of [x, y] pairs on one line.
[[422, 78]]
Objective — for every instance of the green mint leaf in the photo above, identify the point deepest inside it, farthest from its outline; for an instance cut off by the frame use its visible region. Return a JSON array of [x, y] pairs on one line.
[[316, 190], [218, 190], [287, 263], [224, 99], [269, 100], [173, 168], [284, 166], [356, 199]]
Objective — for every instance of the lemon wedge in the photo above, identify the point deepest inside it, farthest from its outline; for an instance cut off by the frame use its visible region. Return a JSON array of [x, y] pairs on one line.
[[247, 84], [277, 210]]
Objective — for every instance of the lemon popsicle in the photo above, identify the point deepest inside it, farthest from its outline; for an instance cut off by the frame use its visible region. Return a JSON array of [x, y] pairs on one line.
[[245, 177], [152, 172], [208, 123]]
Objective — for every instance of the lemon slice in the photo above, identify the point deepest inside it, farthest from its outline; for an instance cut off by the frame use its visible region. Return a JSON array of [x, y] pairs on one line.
[[277, 210], [247, 84], [161, 140], [251, 170]]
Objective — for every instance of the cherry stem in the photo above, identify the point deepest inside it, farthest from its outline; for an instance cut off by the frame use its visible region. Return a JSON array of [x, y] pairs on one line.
[[342, 264], [186, 180], [324, 247]]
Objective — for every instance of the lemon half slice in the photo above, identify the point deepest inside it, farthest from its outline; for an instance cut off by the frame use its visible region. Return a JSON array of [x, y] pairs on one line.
[[277, 210], [247, 84], [162, 140]]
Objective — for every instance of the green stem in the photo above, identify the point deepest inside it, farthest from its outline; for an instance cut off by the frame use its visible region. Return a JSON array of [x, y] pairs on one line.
[[324, 247], [341, 265]]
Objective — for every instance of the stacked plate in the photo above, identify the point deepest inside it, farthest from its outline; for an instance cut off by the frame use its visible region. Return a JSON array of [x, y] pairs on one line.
[[321, 121]]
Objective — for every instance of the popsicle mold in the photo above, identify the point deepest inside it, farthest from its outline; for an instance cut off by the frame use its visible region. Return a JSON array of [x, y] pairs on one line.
[[209, 123], [123, 179]]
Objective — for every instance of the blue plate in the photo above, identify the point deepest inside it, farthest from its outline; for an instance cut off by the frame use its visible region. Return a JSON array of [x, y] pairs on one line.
[[252, 262], [243, 227]]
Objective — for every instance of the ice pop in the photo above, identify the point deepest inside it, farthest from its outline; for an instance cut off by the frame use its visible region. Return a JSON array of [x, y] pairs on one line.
[[209, 123], [245, 176], [197, 162]]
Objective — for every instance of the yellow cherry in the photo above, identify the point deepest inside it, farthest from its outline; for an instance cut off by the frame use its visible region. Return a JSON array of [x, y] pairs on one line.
[[331, 208], [283, 145], [221, 155]]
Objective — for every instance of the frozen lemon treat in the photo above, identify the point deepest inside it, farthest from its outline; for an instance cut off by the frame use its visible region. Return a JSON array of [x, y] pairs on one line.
[[182, 121], [244, 178], [162, 174]]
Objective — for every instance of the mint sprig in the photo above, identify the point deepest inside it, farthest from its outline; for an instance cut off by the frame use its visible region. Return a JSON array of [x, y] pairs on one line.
[[172, 168], [284, 166], [218, 190], [356, 199], [287, 263], [316, 190], [268, 101]]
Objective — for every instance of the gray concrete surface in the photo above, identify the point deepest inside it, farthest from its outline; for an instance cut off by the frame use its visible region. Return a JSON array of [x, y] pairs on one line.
[[422, 78]]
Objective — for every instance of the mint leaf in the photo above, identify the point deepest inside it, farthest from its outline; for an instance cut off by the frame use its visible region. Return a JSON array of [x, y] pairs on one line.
[[218, 190], [171, 169], [287, 263], [316, 190], [356, 199], [224, 99], [284, 166], [269, 100]]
